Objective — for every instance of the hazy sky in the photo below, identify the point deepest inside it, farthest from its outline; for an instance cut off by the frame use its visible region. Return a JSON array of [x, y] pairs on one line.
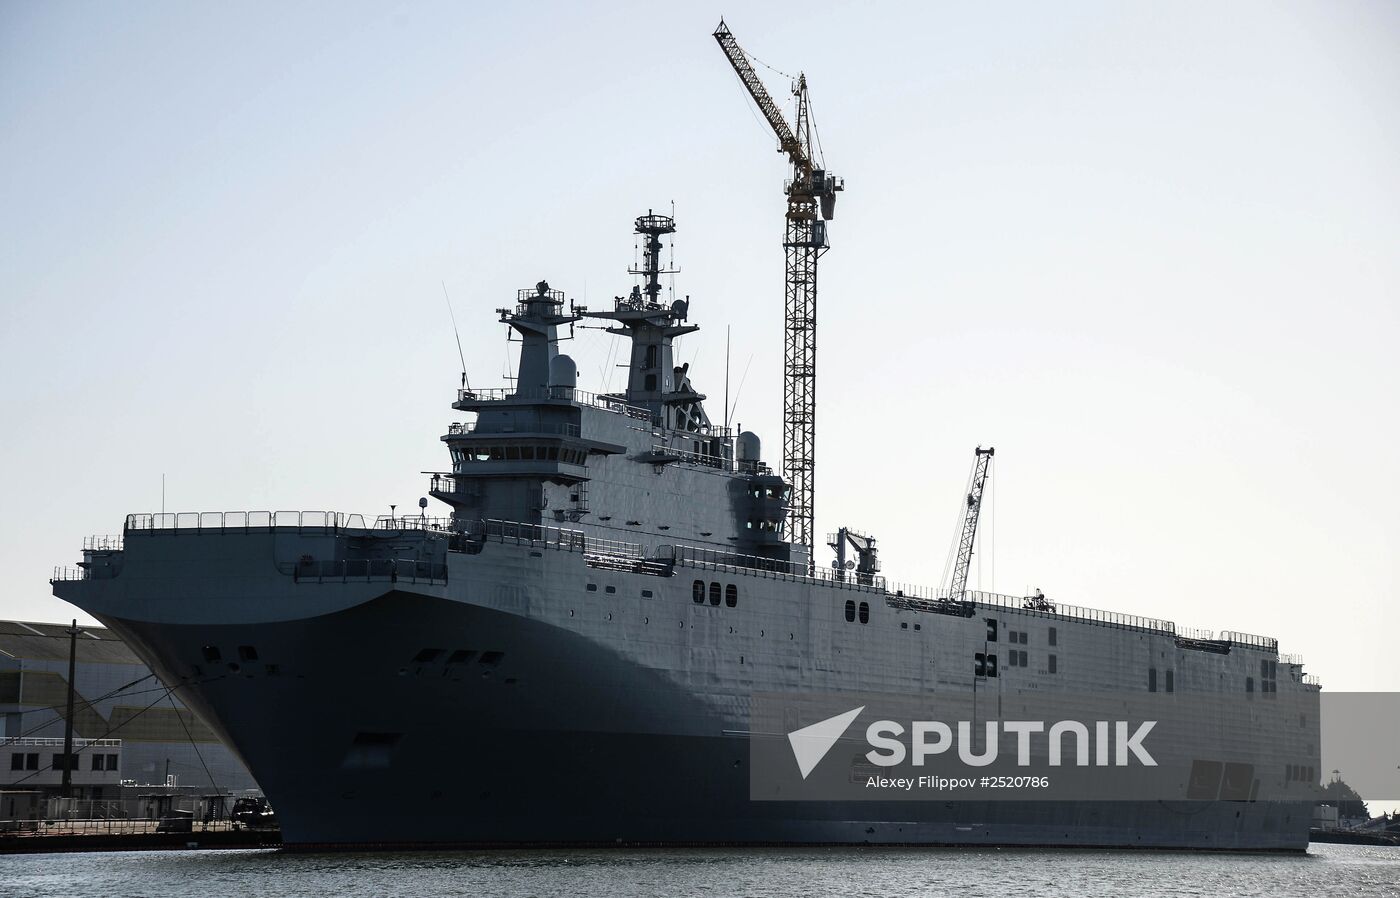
[[1148, 251]]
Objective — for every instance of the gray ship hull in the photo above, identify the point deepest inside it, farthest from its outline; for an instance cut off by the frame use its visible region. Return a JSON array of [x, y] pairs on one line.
[[545, 736]]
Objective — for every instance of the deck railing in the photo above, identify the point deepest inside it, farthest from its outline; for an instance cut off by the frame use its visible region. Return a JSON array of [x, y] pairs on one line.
[[1267, 643], [603, 401]]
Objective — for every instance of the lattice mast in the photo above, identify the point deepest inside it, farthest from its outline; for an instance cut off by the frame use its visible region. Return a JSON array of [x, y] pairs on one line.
[[811, 202], [981, 462]]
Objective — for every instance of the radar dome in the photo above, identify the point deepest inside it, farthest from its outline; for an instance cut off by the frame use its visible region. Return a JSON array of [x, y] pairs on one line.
[[750, 449], [563, 372]]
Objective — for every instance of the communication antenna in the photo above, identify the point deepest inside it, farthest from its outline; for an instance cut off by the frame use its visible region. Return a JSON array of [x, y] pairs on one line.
[[456, 334], [726, 377]]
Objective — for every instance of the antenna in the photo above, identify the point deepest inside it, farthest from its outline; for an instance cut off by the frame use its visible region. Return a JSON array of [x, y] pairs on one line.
[[726, 376], [456, 334]]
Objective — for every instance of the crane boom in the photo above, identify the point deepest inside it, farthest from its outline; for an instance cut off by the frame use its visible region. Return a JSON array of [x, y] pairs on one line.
[[981, 462], [811, 202], [787, 141]]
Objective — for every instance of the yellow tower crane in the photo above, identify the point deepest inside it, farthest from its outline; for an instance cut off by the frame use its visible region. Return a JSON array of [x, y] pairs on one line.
[[811, 202]]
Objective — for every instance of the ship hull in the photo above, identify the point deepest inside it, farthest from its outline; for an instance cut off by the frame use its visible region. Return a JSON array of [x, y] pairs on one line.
[[360, 735]]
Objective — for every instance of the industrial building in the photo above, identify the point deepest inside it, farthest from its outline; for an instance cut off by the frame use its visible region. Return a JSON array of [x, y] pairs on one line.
[[130, 732]]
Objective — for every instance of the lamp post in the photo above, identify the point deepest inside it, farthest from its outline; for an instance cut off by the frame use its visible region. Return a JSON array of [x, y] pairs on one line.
[[67, 790]]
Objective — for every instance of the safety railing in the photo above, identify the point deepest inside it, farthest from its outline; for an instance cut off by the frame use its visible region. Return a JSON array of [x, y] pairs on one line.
[[110, 543], [69, 573], [685, 456], [768, 568], [413, 522], [1267, 643], [603, 401], [226, 521], [56, 742], [1195, 634], [545, 536], [473, 428], [1076, 612]]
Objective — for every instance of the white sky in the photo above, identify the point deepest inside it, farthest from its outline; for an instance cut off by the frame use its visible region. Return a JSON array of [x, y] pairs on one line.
[[1148, 251]]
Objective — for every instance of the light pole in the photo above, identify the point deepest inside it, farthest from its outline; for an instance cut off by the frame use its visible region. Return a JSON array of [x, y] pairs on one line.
[[67, 790]]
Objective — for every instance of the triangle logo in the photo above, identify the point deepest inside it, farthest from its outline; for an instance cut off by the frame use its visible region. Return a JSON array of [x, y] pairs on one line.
[[811, 743]]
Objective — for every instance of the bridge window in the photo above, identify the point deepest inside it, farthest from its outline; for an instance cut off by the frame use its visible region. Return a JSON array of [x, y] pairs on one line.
[[850, 611], [714, 593], [731, 595]]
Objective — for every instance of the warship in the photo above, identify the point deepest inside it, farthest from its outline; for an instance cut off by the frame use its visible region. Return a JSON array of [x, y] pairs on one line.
[[570, 655]]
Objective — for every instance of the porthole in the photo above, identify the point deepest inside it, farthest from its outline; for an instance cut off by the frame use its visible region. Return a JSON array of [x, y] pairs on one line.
[[731, 595], [697, 592], [865, 612], [714, 593], [850, 611]]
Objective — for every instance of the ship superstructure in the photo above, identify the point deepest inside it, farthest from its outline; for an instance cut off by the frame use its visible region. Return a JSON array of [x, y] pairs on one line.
[[571, 655]]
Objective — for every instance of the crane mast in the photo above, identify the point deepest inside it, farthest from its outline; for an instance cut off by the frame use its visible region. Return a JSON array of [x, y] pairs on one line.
[[811, 202], [981, 463]]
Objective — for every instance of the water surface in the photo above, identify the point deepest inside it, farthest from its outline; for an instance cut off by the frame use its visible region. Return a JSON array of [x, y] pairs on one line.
[[1350, 870]]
